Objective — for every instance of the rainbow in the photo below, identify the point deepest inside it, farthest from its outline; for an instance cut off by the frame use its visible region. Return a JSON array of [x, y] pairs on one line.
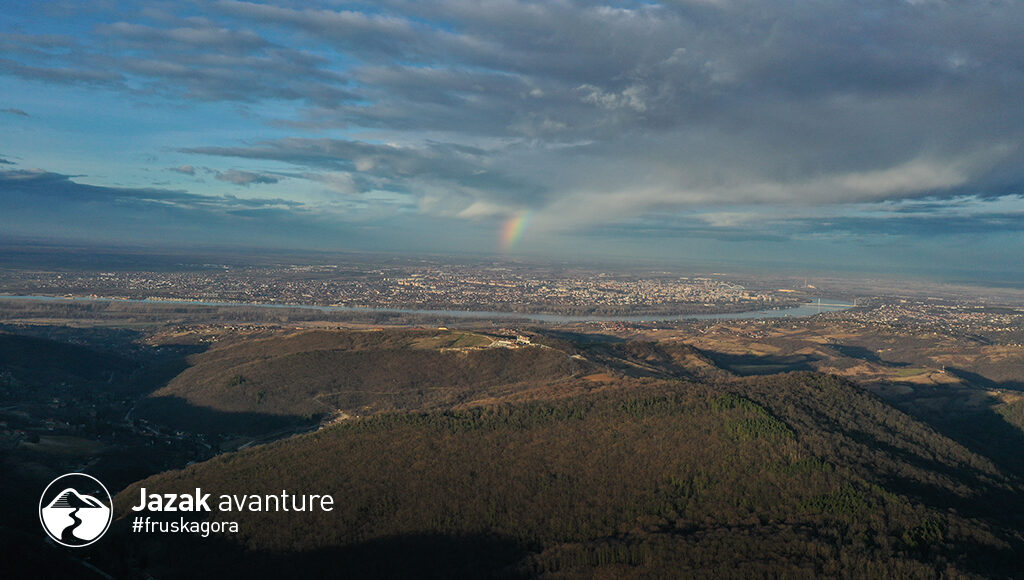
[[512, 230]]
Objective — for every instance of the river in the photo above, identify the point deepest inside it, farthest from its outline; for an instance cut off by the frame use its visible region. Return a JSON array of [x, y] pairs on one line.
[[808, 309]]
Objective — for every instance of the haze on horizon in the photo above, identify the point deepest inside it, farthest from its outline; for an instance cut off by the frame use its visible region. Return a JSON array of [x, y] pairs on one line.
[[871, 136]]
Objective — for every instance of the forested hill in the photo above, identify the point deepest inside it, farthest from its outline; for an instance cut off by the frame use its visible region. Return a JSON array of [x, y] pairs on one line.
[[795, 475], [263, 384]]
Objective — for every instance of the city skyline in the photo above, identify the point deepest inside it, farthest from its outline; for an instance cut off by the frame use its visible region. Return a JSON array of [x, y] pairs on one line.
[[879, 136]]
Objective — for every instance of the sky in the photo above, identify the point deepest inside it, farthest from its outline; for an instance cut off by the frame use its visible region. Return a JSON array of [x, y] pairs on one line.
[[880, 136]]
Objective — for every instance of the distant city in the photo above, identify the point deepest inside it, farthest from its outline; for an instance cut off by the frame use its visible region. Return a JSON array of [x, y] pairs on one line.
[[449, 287], [364, 282]]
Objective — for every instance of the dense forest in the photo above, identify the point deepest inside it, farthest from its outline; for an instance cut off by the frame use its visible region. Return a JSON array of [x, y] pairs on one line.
[[791, 475]]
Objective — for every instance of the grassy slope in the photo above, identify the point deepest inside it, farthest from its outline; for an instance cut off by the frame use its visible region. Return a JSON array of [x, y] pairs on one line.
[[1013, 413]]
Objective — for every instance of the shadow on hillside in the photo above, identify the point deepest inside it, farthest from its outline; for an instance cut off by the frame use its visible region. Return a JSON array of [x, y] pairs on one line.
[[408, 556], [987, 500], [769, 364], [177, 414], [865, 354], [102, 338], [56, 360], [32, 557], [982, 381], [752, 364], [580, 338], [989, 434], [976, 426], [652, 359], [159, 371], [113, 359]]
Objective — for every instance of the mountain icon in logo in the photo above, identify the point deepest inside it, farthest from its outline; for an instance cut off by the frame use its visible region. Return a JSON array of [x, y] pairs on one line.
[[69, 515], [69, 498]]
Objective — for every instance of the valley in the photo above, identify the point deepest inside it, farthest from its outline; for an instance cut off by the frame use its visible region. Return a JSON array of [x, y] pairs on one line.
[[813, 446]]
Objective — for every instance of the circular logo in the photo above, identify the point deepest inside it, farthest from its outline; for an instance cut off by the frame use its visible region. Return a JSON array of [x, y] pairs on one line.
[[75, 510]]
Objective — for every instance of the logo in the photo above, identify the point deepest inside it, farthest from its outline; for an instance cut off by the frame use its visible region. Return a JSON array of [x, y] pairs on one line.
[[72, 510]]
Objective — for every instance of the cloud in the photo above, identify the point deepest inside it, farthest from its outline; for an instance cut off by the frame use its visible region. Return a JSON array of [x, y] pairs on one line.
[[12, 111], [182, 57], [35, 201], [4, 161], [866, 224], [587, 114], [59, 74], [184, 169], [593, 114], [918, 226], [245, 178], [337, 181], [632, 97], [42, 189], [446, 177], [197, 34]]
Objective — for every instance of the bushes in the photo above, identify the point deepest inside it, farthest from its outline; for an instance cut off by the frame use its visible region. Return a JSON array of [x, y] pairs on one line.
[[758, 428], [731, 401], [845, 501], [757, 424], [927, 533]]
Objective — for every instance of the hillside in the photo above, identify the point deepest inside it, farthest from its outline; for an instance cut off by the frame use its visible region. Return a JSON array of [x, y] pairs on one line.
[[39, 361], [272, 382], [793, 475]]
